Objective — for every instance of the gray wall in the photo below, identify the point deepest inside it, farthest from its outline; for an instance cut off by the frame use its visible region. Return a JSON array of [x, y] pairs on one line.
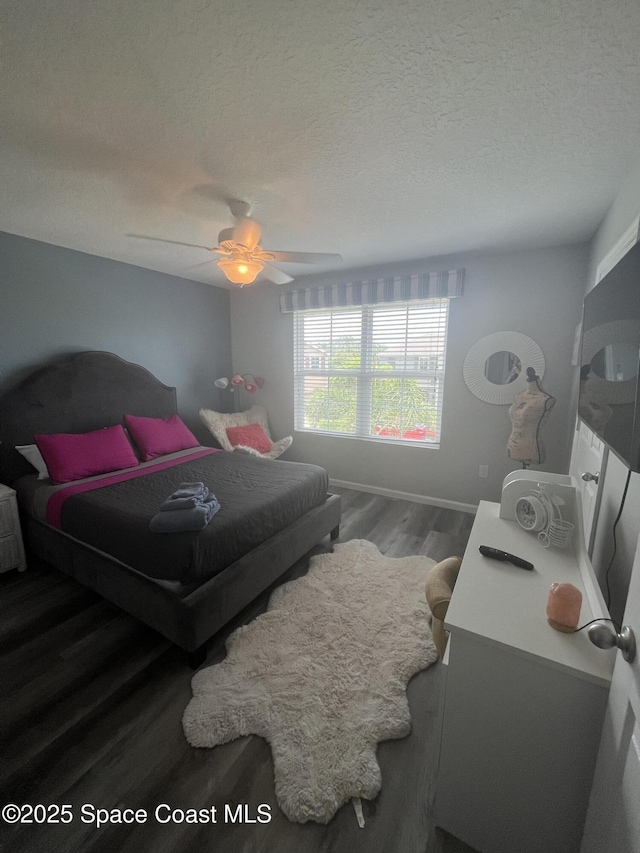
[[622, 212], [537, 292], [54, 300]]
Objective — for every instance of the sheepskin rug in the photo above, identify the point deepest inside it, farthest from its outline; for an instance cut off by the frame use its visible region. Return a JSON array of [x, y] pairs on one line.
[[322, 675]]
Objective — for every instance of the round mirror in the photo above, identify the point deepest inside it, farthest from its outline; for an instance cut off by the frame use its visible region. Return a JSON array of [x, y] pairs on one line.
[[495, 366], [502, 367], [616, 362]]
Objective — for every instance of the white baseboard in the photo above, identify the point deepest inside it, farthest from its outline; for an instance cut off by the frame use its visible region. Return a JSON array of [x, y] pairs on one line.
[[405, 496]]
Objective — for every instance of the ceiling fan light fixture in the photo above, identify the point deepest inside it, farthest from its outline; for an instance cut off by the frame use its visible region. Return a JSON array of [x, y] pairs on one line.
[[240, 271], [244, 258]]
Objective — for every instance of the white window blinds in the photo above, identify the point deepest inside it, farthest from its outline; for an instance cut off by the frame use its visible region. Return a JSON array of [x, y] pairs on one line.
[[372, 371]]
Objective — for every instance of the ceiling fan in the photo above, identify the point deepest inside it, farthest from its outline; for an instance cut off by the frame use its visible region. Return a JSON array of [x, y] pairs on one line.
[[243, 259]]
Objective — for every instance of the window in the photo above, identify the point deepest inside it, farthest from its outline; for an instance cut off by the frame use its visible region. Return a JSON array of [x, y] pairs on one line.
[[428, 362], [382, 371]]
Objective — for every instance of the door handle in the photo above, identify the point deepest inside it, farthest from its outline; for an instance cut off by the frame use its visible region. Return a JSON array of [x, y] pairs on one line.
[[604, 637], [588, 477]]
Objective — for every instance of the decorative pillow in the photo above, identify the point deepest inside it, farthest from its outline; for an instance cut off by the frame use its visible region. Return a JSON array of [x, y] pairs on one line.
[[72, 456], [34, 457], [251, 435], [157, 436]]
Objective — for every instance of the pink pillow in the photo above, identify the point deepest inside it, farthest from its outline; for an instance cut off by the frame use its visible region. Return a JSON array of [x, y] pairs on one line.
[[72, 456], [251, 435], [156, 436]]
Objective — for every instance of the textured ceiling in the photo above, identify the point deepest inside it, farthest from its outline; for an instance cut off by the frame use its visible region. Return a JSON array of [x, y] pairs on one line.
[[379, 129]]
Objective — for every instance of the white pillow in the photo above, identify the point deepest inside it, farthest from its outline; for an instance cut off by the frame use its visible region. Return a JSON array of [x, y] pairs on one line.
[[34, 457]]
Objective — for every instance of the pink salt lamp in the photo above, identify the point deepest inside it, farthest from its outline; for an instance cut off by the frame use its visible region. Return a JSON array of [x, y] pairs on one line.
[[563, 607]]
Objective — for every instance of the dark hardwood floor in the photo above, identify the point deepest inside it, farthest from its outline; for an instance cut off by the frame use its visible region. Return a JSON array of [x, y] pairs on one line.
[[91, 712]]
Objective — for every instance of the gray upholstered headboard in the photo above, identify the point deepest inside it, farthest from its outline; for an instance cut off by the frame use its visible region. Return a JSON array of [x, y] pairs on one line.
[[76, 393]]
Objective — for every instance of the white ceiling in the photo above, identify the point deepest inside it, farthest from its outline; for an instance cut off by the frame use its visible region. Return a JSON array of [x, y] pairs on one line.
[[379, 129]]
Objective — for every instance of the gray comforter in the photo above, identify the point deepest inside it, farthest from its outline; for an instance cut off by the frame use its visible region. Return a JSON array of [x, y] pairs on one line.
[[258, 498]]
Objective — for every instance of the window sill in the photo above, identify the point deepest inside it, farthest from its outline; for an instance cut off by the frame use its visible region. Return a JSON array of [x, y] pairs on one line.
[[431, 445]]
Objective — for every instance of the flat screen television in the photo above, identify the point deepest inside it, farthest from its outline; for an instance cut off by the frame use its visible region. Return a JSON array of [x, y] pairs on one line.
[[609, 400]]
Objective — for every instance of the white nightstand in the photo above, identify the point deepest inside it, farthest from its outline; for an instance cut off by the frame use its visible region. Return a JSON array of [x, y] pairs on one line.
[[11, 546]]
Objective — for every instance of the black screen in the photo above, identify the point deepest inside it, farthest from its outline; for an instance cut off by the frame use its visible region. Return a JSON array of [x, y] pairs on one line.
[[609, 399]]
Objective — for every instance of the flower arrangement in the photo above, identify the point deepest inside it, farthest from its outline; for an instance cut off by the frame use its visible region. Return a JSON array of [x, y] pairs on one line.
[[245, 381]]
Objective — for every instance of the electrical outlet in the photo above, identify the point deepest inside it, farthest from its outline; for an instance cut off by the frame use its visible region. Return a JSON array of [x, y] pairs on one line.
[[483, 471]]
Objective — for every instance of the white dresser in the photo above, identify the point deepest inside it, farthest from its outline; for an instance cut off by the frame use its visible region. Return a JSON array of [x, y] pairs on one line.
[[11, 547], [522, 704]]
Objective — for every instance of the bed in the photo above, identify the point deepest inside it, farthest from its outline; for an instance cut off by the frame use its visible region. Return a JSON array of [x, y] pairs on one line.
[[185, 585]]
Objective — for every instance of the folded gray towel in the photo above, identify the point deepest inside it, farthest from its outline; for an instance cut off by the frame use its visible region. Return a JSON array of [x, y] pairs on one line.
[[183, 520], [191, 490], [173, 503]]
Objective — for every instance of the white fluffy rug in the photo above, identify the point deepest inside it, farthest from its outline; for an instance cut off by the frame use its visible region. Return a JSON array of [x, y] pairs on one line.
[[322, 676]]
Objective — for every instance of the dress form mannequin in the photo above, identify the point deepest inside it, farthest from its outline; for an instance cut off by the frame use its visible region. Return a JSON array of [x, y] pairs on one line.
[[528, 412]]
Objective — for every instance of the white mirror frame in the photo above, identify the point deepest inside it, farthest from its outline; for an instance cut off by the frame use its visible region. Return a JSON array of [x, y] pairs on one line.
[[524, 348]]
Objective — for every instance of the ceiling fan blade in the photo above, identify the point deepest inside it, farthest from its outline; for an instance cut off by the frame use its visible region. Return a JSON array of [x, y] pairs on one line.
[[203, 264], [173, 242], [275, 275], [304, 257]]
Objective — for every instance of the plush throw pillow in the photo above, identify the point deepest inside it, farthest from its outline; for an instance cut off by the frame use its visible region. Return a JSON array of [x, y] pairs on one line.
[[34, 457], [72, 456], [251, 435], [157, 436]]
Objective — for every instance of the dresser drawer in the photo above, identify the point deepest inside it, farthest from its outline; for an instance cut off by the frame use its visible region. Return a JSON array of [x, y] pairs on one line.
[[10, 553]]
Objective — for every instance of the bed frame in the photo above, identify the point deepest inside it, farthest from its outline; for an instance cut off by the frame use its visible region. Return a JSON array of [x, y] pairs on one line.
[[90, 390]]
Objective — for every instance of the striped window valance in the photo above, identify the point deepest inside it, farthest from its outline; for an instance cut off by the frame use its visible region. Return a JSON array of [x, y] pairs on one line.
[[401, 288]]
